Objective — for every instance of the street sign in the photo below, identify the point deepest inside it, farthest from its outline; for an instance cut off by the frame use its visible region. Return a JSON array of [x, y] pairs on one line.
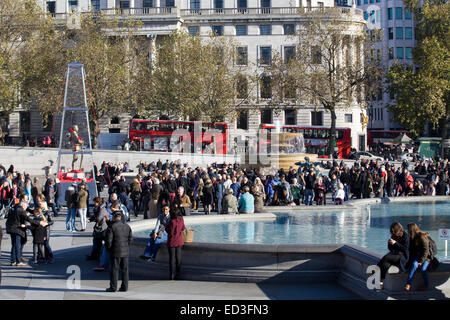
[[444, 234]]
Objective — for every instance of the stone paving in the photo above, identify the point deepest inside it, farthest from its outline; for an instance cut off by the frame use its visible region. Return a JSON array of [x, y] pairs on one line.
[[53, 281]]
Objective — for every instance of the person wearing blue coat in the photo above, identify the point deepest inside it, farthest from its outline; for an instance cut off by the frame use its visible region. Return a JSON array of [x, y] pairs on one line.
[[219, 194], [246, 202]]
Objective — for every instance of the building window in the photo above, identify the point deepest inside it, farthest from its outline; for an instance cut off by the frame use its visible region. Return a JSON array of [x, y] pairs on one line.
[[408, 53], [399, 33], [242, 6], [408, 33], [366, 1], [266, 87], [316, 55], [408, 15], [390, 14], [265, 6], [399, 13], [95, 5], [358, 2], [115, 120], [348, 118], [290, 117], [241, 87], [316, 118], [73, 5], [195, 6], [218, 4], [391, 53], [242, 121], [241, 30], [25, 121], [289, 29], [289, 54], [47, 126], [265, 55], [290, 88], [194, 30], [147, 3], [391, 33], [400, 53], [170, 3], [242, 56], [124, 4], [51, 7], [266, 116], [265, 29], [217, 30]]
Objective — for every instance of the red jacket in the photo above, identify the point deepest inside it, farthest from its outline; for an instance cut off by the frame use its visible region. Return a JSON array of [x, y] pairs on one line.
[[174, 232]]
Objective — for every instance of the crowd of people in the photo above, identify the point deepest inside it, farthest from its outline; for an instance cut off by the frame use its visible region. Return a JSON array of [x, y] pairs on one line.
[[168, 191], [231, 188]]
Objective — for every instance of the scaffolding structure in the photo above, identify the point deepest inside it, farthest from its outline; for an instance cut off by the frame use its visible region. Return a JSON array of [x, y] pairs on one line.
[[75, 146]]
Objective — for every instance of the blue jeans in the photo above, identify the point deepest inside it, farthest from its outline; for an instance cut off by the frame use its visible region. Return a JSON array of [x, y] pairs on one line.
[[346, 190], [16, 248], [48, 250], [104, 260], [70, 219], [153, 246], [423, 270], [309, 196]]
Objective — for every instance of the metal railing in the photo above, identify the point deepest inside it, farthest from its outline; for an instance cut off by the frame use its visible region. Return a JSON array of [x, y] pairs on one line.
[[153, 11], [141, 11], [270, 11]]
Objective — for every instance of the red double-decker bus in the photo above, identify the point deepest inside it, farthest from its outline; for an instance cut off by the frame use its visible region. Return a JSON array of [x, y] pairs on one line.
[[316, 139], [383, 136], [156, 135]]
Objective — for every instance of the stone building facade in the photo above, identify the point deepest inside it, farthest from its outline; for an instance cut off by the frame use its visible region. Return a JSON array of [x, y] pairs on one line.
[[260, 26]]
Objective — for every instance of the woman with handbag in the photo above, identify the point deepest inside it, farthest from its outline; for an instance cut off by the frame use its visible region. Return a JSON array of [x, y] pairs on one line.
[[100, 217], [398, 246], [175, 241], [419, 252]]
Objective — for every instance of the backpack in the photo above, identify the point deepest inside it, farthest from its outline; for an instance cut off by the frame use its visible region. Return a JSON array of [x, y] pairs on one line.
[[434, 262], [432, 247]]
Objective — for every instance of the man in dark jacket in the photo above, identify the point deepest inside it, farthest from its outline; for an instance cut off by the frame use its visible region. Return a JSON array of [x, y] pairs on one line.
[[16, 228], [118, 240], [310, 180], [50, 196]]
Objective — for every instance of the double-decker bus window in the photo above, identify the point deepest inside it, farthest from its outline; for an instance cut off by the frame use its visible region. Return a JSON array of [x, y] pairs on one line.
[[340, 134], [322, 133], [307, 133], [220, 128]]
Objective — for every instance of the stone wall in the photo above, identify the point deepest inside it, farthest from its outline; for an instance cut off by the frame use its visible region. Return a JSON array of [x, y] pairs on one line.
[[37, 161]]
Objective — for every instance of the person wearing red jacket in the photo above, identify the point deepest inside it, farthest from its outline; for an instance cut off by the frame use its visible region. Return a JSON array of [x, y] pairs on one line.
[[175, 240]]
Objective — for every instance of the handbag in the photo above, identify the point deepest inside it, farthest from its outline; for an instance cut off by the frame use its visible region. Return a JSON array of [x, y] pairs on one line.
[[188, 235], [434, 264]]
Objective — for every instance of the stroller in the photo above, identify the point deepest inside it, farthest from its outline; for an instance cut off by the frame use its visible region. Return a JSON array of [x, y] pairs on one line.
[[5, 208]]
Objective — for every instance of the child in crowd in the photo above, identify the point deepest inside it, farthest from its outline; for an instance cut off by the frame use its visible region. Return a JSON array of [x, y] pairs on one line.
[[339, 196], [39, 236]]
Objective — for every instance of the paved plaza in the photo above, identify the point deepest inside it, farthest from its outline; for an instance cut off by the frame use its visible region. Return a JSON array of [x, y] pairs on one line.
[[50, 281]]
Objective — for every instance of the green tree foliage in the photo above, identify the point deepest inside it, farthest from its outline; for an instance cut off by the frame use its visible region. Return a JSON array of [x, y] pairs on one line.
[[325, 70], [422, 94], [20, 23], [194, 78]]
